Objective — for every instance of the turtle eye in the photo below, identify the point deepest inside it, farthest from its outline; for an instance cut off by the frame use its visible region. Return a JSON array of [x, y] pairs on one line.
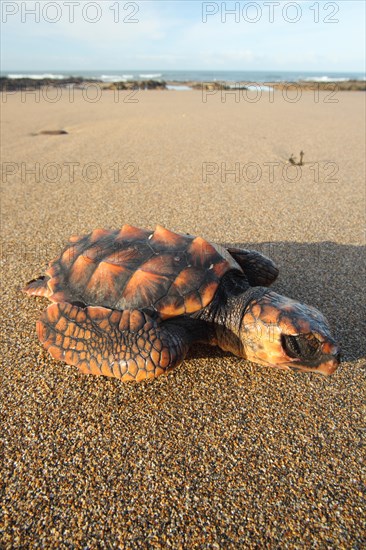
[[304, 346]]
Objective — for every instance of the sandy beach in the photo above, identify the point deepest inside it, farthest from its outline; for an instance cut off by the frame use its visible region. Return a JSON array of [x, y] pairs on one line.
[[221, 453]]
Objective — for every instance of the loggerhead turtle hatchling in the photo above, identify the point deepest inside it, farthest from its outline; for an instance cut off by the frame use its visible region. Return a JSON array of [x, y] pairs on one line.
[[129, 303]]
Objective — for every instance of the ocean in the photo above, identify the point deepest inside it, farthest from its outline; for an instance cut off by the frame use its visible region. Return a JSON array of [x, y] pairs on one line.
[[197, 76]]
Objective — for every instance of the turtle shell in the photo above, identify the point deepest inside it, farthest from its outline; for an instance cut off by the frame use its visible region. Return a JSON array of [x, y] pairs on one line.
[[136, 268]]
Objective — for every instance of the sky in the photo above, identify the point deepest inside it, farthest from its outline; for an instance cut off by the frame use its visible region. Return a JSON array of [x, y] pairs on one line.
[[183, 35]]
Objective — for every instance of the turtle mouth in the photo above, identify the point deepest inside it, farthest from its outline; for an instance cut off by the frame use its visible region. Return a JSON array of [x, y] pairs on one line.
[[304, 347], [307, 353]]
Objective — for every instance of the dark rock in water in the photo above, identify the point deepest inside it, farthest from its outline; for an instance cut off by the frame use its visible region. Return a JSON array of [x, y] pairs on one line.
[[153, 85], [209, 86], [330, 86], [18, 84], [138, 85], [23, 84]]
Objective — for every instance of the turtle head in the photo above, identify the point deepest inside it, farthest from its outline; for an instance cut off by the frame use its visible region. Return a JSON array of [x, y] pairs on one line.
[[280, 332]]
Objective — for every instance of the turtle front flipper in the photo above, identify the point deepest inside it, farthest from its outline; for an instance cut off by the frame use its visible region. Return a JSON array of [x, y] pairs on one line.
[[128, 344], [259, 270]]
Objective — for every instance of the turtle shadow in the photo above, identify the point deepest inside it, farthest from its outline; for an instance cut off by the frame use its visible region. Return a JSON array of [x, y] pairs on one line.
[[326, 275]]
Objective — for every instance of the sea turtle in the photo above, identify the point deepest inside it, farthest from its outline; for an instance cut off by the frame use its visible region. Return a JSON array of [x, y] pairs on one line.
[[129, 303]]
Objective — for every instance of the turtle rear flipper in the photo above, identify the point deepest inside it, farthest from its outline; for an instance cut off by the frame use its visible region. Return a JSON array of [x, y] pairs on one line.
[[128, 344], [259, 270], [38, 287]]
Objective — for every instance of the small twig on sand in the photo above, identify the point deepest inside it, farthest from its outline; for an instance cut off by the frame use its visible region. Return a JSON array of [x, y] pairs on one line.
[[292, 159]]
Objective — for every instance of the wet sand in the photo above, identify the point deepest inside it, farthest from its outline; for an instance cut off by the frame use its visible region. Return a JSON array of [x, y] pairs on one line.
[[221, 453]]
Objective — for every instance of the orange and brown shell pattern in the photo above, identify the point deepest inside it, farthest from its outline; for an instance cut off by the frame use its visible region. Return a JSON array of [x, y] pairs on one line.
[[132, 268]]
